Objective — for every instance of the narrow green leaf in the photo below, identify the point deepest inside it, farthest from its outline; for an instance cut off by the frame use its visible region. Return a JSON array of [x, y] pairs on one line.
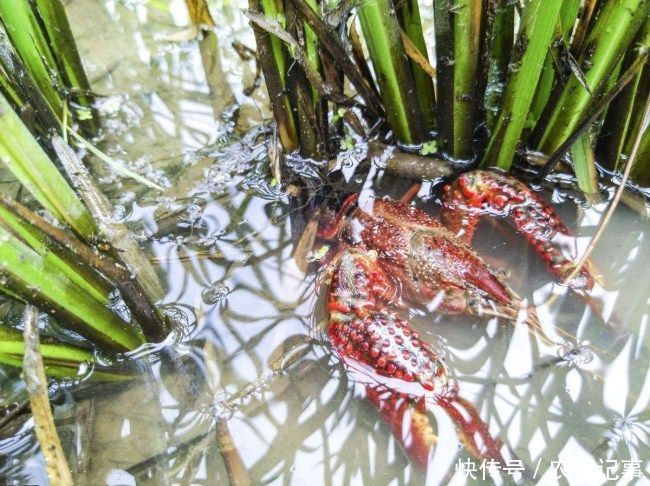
[[24, 157], [119, 168], [382, 33], [623, 116], [31, 44], [19, 85], [549, 76], [11, 342], [40, 243], [408, 13], [37, 280], [273, 60], [614, 28], [65, 50], [584, 166], [537, 24]]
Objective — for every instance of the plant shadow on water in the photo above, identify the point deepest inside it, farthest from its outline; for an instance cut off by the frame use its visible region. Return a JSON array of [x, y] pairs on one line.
[[252, 350]]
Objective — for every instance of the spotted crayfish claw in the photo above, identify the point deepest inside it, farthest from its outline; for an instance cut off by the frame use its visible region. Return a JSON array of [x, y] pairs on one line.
[[406, 373], [493, 193]]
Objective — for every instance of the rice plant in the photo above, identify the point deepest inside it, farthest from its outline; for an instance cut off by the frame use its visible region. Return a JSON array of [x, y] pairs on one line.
[[66, 266], [45, 265], [510, 78], [37, 49]]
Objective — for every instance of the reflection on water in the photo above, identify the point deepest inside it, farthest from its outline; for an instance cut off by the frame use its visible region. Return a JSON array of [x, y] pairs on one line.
[[252, 353]]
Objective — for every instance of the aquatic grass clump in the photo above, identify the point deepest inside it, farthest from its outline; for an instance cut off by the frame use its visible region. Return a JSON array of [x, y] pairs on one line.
[[536, 31], [59, 269], [460, 30], [40, 35], [625, 117], [61, 360], [510, 77], [382, 32], [22, 155], [613, 30]]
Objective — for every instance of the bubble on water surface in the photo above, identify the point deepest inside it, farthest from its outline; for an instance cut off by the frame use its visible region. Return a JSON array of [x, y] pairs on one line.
[[575, 354], [192, 213], [215, 293], [119, 214]]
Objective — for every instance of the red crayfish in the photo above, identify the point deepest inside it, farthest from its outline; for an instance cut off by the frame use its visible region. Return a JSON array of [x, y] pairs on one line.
[[392, 256]]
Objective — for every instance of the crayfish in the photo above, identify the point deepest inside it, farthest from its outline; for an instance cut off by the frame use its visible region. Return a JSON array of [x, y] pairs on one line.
[[391, 256]]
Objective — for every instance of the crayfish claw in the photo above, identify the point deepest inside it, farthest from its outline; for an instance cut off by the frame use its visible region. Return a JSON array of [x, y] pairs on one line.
[[489, 192]]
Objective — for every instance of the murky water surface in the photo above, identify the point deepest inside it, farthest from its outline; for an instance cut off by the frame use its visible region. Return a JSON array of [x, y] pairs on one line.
[[185, 114]]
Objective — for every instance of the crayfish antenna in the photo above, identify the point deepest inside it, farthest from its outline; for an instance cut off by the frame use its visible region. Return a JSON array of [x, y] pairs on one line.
[[517, 313]]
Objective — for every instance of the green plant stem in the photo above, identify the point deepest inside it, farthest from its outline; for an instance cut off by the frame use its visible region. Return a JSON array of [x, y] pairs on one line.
[[622, 117], [641, 174], [272, 57], [460, 30], [65, 261], [537, 24], [408, 13], [303, 98], [21, 89], [382, 33], [549, 76], [24, 157], [37, 280], [614, 28], [119, 168], [596, 110], [329, 41], [118, 236], [584, 165], [500, 49], [312, 50], [30, 42], [61, 360], [62, 43], [87, 267]]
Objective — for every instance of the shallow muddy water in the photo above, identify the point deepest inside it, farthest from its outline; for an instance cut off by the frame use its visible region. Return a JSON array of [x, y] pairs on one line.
[[250, 355]]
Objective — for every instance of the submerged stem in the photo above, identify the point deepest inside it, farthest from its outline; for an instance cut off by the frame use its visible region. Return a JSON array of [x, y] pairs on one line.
[[56, 465], [617, 196], [538, 21], [460, 33]]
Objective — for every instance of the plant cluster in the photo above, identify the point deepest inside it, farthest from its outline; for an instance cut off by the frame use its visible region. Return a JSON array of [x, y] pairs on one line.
[[509, 78], [63, 258]]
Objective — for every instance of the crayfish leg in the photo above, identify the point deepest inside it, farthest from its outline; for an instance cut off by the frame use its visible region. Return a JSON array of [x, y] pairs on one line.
[[487, 192], [408, 420]]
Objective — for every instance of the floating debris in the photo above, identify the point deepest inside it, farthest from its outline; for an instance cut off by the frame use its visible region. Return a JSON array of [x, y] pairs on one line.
[[192, 214]]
